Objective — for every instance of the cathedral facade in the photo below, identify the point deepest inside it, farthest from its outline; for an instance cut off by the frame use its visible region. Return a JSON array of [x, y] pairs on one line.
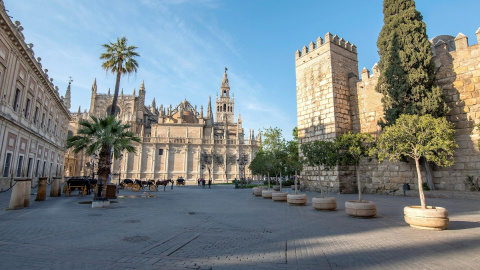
[[181, 141]]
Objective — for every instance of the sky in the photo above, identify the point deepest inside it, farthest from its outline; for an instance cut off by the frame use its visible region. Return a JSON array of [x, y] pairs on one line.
[[185, 45]]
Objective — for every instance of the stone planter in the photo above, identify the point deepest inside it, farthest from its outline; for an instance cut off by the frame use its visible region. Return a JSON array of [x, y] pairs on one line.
[[324, 204], [279, 196], [267, 194], [264, 188], [431, 218], [297, 199], [257, 191], [276, 188], [363, 209]]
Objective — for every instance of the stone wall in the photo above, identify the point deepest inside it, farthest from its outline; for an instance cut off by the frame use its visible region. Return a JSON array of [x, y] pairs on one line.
[[458, 74]]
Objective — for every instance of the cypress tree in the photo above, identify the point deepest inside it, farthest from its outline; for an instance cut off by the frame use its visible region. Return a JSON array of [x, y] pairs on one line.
[[407, 72]]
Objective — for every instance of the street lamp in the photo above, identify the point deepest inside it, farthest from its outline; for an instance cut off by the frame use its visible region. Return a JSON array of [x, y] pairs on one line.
[[242, 161], [119, 171]]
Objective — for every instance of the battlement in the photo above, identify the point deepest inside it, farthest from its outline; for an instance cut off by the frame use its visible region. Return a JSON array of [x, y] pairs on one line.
[[328, 38], [445, 44]]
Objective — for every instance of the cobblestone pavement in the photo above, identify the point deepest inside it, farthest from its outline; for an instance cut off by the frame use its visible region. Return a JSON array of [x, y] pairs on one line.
[[223, 228]]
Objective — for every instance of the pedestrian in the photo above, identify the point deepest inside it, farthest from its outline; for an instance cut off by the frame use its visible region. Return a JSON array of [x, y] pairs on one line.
[[209, 183], [203, 183], [172, 184], [199, 180]]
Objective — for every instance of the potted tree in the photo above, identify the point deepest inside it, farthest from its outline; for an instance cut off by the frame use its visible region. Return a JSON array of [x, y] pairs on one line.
[[416, 137], [352, 148], [317, 154], [257, 167], [280, 162]]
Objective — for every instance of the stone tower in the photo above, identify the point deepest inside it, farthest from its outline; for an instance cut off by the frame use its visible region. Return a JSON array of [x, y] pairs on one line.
[[325, 72], [224, 105], [68, 96]]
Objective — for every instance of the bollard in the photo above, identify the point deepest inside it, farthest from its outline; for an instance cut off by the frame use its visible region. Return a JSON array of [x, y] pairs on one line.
[[18, 200], [55, 190], [27, 189], [42, 189]]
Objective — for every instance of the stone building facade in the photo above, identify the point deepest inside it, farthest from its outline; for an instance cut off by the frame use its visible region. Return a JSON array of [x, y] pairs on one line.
[[331, 100], [33, 117], [173, 138]]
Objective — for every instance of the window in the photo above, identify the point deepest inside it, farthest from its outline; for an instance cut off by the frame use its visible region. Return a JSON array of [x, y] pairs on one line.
[[19, 166], [35, 116], [27, 108], [56, 171], [160, 152], [43, 120], [55, 130], [6, 168], [36, 168], [48, 125], [224, 107], [50, 170], [43, 170], [16, 100], [29, 167]]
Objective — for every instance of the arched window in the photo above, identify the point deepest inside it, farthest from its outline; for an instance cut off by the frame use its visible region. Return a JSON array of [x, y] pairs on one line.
[[224, 107]]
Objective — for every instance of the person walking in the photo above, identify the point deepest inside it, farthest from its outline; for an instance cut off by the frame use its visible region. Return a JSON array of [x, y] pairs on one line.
[[203, 183], [209, 183]]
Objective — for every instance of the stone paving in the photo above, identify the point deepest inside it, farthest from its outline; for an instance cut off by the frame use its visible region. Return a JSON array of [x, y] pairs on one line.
[[224, 228]]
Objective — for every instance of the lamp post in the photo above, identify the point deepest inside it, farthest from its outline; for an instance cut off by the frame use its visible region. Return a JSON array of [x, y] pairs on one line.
[[242, 161], [119, 171]]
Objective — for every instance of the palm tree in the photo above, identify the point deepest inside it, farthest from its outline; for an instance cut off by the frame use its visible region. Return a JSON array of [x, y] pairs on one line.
[[119, 59], [102, 135]]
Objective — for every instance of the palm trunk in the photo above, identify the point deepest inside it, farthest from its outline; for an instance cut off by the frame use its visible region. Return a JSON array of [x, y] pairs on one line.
[[319, 181], [115, 93], [359, 185], [103, 168], [420, 184]]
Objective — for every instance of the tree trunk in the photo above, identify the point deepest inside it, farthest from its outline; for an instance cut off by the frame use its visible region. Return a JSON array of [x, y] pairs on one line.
[[357, 169], [281, 182], [268, 181], [428, 174], [103, 168], [320, 181], [115, 93], [420, 184], [296, 182]]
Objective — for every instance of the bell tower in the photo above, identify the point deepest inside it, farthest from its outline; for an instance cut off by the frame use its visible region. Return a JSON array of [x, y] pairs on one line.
[[224, 105]]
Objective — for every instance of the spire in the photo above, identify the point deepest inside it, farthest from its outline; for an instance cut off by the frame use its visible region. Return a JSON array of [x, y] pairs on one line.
[[94, 86], [239, 118], [79, 110], [133, 92], [121, 93], [209, 108], [153, 103], [68, 95], [142, 87], [109, 91], [225, 79], [225, 87], [201, 111]]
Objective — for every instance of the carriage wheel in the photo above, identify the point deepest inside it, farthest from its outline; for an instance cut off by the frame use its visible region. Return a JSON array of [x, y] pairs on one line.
[[129, 186], [135, 187], [152, 187]]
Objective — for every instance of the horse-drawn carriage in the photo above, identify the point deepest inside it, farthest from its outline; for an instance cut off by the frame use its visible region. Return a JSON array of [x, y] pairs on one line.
[[83, 185], [136, 185], [180, 181]]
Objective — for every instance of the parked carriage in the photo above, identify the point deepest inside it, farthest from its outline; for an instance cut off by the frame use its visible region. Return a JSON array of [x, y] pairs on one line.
[[136, 185], [82, 185], [180, 181]]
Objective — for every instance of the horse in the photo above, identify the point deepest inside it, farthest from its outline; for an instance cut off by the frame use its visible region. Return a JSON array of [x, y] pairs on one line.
[[163, 183]]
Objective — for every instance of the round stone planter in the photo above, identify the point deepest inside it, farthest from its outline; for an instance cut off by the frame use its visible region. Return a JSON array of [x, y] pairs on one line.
[[431, 218], [264, 188], [279, 196], [267, 194], [363, 209], [324, 204], [297, 199], [276, 188], [257, 191]]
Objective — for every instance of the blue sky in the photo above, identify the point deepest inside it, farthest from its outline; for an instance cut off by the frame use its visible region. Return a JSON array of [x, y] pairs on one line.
[[185, 45]]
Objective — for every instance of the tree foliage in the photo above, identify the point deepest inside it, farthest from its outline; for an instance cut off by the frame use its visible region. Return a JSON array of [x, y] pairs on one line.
[[352, 148], [120, 59], [101, 136], [407, 72], [419, 136], [273, 139], [320, 153]]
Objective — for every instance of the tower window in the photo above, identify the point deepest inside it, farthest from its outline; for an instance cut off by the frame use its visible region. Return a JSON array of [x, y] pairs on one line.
[[225, 92], [224, 107]]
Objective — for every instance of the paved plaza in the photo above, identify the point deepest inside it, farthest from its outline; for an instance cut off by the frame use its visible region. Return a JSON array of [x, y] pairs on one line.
[[224, 228]]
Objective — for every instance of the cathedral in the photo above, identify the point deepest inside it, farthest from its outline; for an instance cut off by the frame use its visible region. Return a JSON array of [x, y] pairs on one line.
[[177, 142]]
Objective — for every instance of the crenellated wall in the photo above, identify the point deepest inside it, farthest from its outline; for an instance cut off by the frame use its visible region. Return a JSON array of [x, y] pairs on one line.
[[322, 95]]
